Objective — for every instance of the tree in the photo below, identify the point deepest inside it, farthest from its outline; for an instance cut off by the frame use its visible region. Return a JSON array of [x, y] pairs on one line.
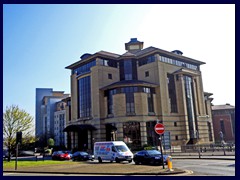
[[50, 142], [15, 120]]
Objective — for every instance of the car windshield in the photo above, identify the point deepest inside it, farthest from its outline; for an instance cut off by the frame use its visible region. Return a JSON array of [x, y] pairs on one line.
[[153, 152], [83, 153], [121, 148]]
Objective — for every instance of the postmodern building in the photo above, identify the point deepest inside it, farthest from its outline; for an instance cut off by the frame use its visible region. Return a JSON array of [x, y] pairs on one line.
[[121, 97], [59, 124], [46, 100], [224, 121]]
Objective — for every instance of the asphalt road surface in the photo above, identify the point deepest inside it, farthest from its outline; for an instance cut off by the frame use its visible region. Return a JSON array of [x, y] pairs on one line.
[[205, 167]]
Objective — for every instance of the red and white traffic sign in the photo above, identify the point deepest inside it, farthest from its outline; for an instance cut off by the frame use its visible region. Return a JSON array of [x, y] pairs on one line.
[[159, 128]]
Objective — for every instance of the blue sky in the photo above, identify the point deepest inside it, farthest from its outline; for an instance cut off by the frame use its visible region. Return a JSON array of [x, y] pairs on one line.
[[39, 41]]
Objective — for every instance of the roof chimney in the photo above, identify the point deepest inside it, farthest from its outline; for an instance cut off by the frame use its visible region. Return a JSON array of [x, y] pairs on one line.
[[133, 45], [177, 52]]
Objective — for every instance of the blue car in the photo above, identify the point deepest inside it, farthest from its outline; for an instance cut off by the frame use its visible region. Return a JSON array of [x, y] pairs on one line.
[[81, 156], [152, 157]]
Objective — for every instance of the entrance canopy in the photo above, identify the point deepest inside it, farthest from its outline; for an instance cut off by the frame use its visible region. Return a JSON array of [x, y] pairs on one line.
[[79, 127]]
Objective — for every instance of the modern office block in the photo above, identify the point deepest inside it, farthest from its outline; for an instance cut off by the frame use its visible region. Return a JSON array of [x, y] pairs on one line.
[[122, 97]]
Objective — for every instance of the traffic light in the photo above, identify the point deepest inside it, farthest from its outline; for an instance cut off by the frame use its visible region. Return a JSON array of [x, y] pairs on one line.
[[19, 138]]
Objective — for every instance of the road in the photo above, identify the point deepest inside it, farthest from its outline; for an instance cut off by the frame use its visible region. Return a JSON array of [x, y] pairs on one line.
[[199, 167], [205, 167]]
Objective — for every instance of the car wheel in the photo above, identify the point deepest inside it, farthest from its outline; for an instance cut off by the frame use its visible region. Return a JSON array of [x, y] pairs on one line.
[[130, 161], [99, 160], [136, 162], [117, 160]]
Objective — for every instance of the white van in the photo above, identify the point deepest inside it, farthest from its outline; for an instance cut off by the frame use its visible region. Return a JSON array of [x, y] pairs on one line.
[[112, 151]]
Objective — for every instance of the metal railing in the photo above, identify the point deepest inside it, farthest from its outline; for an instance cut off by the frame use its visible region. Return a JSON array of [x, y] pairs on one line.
[[203, 150]]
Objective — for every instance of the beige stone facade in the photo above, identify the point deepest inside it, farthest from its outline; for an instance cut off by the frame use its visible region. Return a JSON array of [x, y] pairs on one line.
[[121, 97]]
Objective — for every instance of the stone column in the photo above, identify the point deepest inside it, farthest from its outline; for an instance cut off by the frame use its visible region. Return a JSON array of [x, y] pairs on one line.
[[90, 142], [119, 135], [143, 131]]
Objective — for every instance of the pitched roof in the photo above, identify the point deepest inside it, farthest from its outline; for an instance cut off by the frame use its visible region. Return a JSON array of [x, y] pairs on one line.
[[136, 53], [108, 54], [128, 54], [145, 51]]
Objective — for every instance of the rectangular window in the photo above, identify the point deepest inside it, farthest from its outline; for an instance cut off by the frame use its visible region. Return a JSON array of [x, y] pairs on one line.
[[131, 134], [152, 137], [177, 77], [130, 108], [84, 68], [146, 60], [150, 102], [84, 97], [172, 93], [176, 138], [222, 126], [109, 76], [110, 102], [175, 124], [210, 131], [147, 74]]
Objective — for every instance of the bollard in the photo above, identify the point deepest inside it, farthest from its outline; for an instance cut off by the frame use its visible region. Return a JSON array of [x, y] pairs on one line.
[[169, 162]]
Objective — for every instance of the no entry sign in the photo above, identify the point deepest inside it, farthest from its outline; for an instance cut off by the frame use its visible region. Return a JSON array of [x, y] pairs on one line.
[[159, 128]]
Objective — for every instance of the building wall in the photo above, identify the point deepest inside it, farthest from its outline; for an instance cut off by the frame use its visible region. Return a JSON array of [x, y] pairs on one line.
[[59, 125], [46, 100], [177, 123], [74, 97], [228, 134], [40, 93]]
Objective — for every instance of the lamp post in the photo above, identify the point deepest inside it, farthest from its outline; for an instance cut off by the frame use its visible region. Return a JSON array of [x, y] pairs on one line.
[[160, 144]]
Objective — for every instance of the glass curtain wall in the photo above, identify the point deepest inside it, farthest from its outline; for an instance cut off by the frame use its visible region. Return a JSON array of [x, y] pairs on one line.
[[172, 93], [152, 136], [190, 106], [128, 69], [84, 97]]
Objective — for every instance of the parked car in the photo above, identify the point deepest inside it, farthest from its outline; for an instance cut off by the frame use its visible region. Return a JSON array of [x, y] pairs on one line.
[[26, 153], [60, 155], [70, 153], [81, 156], [152, 157], [5, 154]]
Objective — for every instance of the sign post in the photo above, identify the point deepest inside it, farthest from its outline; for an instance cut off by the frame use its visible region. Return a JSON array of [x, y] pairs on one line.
[[166, 142], [159, 129], [18, 141]]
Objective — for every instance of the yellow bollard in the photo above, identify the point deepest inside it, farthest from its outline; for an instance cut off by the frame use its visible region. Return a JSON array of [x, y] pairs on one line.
[[169, 162]]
